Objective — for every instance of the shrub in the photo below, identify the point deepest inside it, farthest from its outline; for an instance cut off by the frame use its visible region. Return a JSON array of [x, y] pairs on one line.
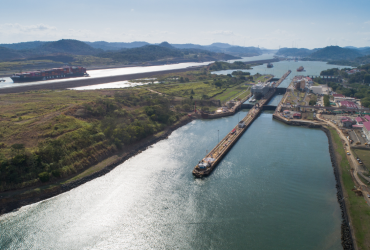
[[55, 173], [44, 177]]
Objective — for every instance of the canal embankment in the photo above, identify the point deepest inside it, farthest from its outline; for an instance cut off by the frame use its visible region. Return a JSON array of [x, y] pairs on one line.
[[347, 235], [344, 180]]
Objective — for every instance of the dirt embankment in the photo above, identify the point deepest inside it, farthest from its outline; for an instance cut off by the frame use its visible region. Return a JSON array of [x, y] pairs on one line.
[[11, 204]]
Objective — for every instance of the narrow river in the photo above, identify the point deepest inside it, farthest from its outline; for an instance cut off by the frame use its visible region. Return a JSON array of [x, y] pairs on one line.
[[274, 190]]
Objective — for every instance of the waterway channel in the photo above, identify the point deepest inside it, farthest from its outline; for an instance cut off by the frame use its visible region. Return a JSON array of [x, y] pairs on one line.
[[280, 68], [274, 190]]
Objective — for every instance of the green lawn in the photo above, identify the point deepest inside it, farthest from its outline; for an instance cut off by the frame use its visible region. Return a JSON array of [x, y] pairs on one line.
[[232, 93], [364, 155], [185, 89], [358, 209]]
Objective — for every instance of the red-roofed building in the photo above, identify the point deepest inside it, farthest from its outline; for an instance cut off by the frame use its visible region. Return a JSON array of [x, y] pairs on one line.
[[357, 126], [338, 95], [348, 104], [347, 123], [360, 120], [366, 129], [297, 116], [367, 117]]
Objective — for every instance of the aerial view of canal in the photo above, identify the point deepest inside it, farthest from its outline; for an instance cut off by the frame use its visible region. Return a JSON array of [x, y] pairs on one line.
[[274, 190], [280, 68]]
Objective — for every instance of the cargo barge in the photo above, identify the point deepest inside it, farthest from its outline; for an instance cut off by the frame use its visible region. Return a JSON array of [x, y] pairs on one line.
[[209, 162], [270, 65], [49, 74]]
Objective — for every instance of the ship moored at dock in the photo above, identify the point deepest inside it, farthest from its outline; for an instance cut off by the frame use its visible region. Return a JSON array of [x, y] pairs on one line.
[[210, 161]]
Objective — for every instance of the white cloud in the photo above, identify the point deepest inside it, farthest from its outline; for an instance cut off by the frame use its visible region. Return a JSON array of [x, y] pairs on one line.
[[18, 28], [132, 10], [367, 22]]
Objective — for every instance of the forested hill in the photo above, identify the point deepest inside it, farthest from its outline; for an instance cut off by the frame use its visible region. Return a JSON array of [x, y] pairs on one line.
[[74, 52], [163, 51], [64, 46], [324, 54], [67, 46], [295, 52], [335, 53]]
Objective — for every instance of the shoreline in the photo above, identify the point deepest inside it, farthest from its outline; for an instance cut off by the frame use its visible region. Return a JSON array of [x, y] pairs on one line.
[[13, 204], [86, 81], [347, 233]]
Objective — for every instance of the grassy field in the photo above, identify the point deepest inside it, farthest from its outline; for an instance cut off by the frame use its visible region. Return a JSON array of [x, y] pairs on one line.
[[57, 134], [364, 155], [36, 115], [185, 89], [358, 209], [204, 86]]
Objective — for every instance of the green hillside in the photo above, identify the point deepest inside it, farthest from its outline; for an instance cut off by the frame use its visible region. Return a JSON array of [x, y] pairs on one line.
[[68, 46], [335, 53]]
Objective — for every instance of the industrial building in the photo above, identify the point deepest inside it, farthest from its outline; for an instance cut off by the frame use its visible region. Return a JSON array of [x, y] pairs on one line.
[[262, 88], [321, 90], [348, 104], [366, 130]]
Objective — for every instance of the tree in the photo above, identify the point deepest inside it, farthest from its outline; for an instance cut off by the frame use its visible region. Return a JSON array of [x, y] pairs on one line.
[[312, 102], [326, 101], [44, 177], [17, 147], [182, 79], [186, 107], [191, 97], [205, 109], [192, 92], [367, 78]]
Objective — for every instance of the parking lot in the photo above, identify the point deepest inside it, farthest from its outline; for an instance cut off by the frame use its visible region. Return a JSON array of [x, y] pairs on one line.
[[355, 134]]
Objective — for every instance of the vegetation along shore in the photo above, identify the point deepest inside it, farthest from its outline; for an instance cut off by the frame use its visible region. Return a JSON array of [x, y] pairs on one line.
[[53, 140]]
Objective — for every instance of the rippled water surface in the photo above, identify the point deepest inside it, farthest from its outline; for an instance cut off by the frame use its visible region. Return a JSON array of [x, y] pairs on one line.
[[274, 190]]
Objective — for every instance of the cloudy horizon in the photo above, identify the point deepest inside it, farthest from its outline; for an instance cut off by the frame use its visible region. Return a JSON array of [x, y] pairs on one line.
[[265, 23]]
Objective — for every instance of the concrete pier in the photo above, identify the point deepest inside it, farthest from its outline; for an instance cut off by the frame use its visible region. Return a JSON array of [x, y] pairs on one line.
[[210, 161]]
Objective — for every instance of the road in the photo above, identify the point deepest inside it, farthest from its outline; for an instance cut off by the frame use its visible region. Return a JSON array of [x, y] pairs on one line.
[[351, 159]]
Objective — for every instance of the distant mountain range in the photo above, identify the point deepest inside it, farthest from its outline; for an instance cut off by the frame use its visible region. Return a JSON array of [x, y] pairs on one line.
[[98, 53], [74, 47], [333, 54]]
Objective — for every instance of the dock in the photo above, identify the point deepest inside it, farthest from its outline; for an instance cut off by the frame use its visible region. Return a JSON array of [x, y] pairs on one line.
[[211, 160]]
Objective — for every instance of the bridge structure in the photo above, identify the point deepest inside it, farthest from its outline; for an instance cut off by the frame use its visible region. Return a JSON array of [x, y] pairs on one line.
[[333, 108], [323, 77]]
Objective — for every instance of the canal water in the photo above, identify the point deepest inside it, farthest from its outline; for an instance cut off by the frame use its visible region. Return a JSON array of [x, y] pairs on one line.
[[280, 68], [274, 190], [129, 70]]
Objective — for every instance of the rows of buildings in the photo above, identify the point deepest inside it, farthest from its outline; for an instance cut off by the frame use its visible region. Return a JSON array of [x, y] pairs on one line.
[[359, 122]]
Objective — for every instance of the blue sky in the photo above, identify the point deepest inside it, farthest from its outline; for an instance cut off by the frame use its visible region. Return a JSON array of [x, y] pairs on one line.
[[264, 23]]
